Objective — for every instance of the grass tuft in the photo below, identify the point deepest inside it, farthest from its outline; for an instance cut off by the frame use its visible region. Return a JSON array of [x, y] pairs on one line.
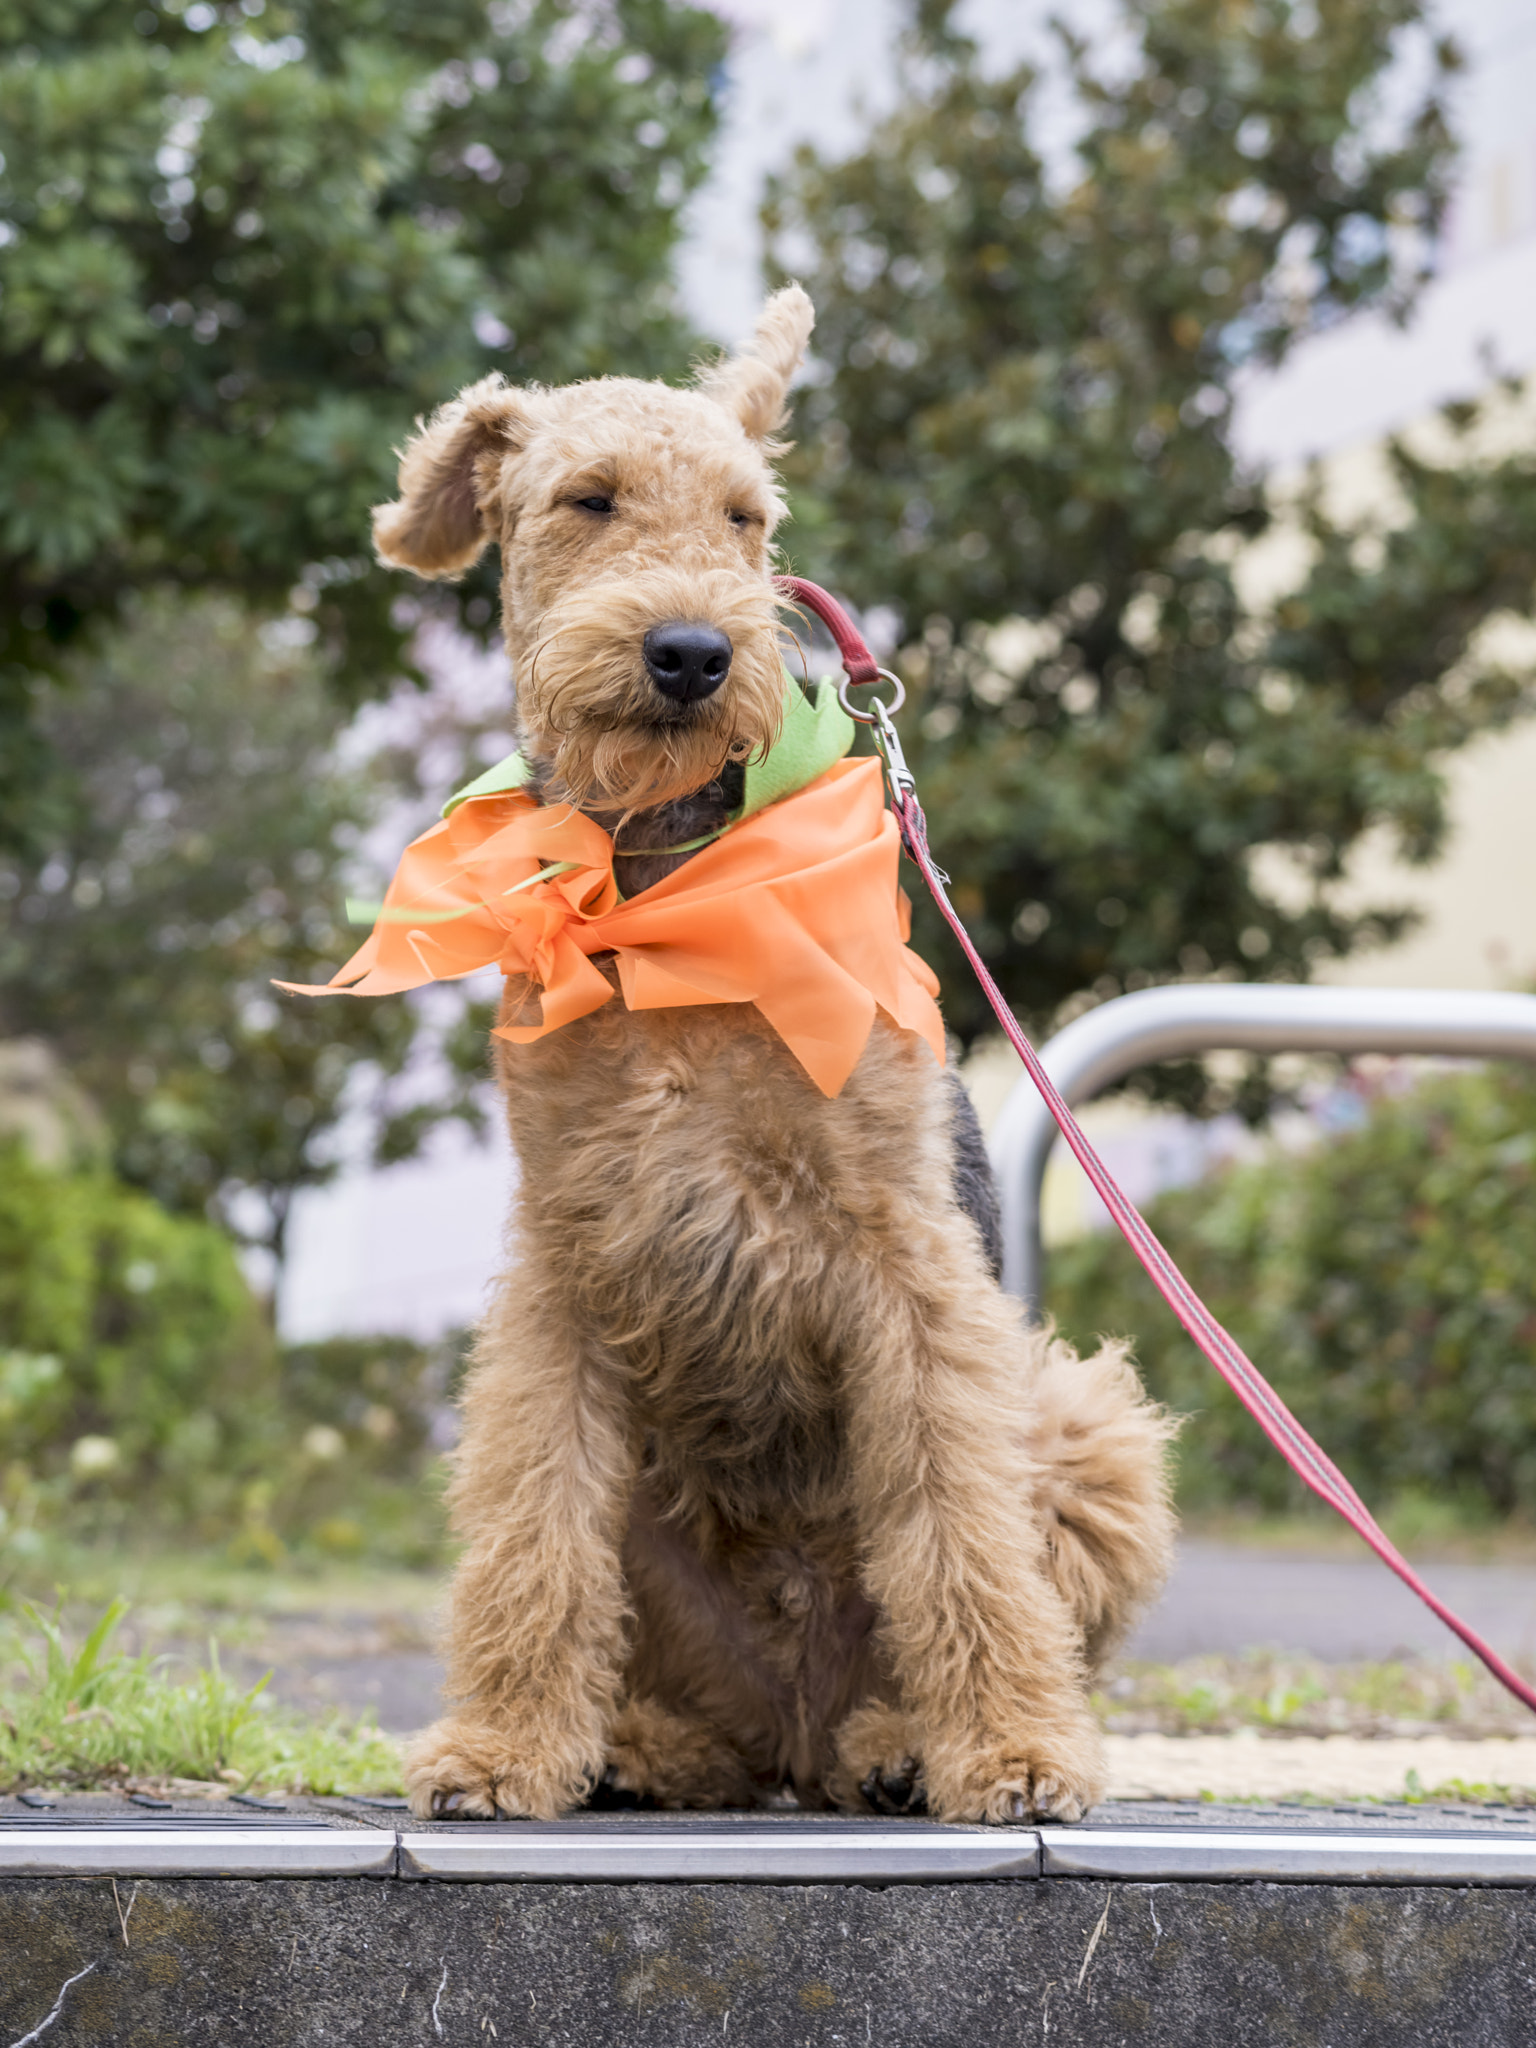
[[91, 1716], [1298, 1695], [1458, 1792]]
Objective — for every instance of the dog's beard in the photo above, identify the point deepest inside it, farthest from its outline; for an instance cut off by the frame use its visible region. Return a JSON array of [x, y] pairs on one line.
[[611, 739]]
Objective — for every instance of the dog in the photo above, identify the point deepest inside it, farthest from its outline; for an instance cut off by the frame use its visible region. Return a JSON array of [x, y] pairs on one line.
[[764, 1485]]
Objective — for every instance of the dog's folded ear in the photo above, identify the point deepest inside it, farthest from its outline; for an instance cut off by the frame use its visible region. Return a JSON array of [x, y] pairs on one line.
[[448, 474], [754, 383]]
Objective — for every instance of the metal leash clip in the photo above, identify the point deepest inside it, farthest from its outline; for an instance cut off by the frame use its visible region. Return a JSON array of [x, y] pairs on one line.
[[879, 716], [902, 782]]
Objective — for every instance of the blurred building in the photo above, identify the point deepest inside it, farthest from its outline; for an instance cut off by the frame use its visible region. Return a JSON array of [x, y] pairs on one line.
[[413, 1248], [1344, 392]]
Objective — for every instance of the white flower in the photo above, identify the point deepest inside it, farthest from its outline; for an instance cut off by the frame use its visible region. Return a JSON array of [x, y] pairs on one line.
[[91, 1456]]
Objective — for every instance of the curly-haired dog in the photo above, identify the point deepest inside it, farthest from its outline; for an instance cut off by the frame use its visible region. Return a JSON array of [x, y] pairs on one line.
[[763, 1480]]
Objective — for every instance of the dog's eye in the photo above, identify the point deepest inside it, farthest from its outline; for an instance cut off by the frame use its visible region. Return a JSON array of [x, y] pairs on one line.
[[600, 506], [739, 518]]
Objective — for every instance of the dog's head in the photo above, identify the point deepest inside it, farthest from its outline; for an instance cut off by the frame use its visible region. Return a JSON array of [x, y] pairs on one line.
[[634, 524]]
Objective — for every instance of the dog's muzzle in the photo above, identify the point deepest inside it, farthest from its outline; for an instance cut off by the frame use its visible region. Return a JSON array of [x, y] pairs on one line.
[[686, 661]]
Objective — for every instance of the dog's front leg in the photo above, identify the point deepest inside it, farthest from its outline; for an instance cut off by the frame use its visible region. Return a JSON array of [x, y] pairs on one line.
[[984, 1651], [535, 1639]]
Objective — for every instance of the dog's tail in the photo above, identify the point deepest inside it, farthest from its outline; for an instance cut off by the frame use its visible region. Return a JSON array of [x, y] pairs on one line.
[[1101, 1452]]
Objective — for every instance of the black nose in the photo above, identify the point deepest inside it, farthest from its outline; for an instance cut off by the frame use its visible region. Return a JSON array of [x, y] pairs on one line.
[[686, 662]]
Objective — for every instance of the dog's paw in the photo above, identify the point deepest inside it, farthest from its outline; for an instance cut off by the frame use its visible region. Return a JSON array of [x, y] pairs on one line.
[[660, 1758], [1044, 1777], [895, 1787], [879, 1765], [472, 1770]]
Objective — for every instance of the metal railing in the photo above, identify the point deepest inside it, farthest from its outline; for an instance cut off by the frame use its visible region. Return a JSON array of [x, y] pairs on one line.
[[1174, 1023]]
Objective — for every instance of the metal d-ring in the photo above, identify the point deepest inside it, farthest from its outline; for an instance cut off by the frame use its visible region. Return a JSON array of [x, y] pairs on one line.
[[868, 717]]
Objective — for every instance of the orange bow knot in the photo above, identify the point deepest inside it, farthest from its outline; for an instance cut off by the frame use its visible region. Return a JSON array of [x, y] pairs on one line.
[[795, 909]]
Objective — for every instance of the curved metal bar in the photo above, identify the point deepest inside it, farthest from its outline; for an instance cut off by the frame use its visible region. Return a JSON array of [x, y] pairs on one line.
[[1172, 1023]]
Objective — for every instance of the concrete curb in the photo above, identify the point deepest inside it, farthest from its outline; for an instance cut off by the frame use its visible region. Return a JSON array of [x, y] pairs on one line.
[[1162, 1927]]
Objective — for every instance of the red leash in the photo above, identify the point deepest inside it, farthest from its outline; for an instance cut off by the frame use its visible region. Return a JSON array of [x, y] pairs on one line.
[[1304, 1457]]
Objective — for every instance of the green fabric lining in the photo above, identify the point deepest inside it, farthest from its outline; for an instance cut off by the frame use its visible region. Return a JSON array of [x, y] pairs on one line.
[[816, 734], [512, 772], [397, 913]]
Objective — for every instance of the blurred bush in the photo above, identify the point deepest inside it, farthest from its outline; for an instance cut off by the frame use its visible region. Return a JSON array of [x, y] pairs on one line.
[[143, 1394], [1385, 1283], [381, 1394], [364, 1421], [133, 1351]]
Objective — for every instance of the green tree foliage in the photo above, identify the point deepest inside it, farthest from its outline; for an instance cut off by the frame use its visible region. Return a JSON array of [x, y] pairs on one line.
[[242, 245], [210, 830], [1022, 442], [1381, 1281]]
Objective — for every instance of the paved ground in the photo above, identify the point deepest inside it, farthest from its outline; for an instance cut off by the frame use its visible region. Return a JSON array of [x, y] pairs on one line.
[[1222, 1599], [1248, 1765], [1226, 1598]]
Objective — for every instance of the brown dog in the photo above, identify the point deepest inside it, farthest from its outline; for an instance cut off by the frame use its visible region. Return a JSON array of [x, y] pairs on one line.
[[763, 1480]]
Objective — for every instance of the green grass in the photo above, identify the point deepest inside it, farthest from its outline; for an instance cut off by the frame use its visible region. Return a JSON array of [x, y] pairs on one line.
[[1430, 1532], [170, 1711], [1457, 1792], [88, 1715], [1301, 1696]]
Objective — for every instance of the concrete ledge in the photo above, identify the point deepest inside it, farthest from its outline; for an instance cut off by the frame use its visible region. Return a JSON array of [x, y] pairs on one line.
[[1124, 1844], [1048, 1963], [1171, 1927]]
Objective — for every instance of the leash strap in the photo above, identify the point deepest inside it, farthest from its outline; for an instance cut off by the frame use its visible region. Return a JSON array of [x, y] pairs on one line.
[[1305, 1457]]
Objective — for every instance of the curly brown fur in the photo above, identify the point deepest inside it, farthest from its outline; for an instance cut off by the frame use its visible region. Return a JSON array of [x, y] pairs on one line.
[[763, 1480]]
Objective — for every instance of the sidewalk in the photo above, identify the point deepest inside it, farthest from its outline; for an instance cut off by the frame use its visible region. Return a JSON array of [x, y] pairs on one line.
[[1248, 1765], [1224, 1598]]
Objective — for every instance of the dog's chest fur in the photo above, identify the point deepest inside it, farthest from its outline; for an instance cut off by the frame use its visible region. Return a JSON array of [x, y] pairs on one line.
[[710, 1215]]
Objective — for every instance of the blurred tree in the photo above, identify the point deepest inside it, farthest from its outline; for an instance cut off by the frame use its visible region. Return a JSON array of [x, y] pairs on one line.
[[212, 826], [242, 245], [1021, 442]]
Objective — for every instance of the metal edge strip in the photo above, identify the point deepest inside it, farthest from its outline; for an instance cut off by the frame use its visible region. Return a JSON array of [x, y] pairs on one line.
[[874, 1857], [921, 1856], [198, 1852], [1207, 1855]]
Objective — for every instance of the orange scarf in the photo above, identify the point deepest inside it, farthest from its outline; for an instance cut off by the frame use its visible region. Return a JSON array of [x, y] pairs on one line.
[[795, 909]]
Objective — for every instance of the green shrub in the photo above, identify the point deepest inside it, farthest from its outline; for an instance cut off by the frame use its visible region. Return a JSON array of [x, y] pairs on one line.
[[379, 1393], [133, 1356], [142, 1392], [1384, 1282], [359, 1471]]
